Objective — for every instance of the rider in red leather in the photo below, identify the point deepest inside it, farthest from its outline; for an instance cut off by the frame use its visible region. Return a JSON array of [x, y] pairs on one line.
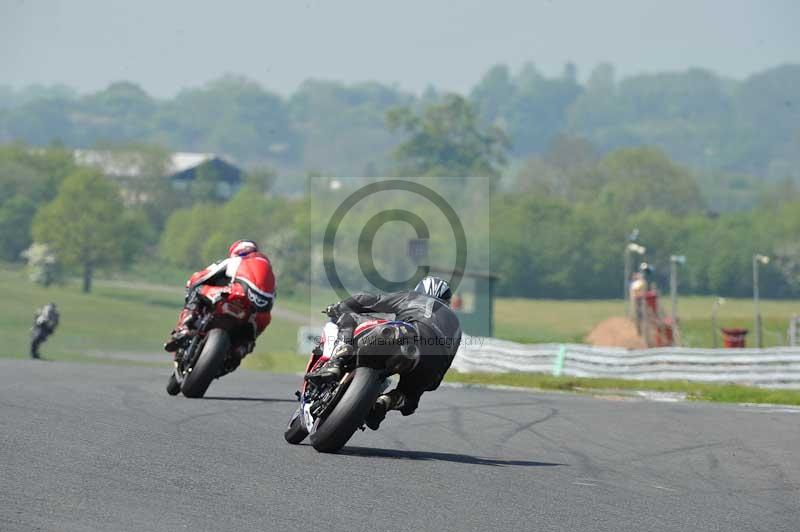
[[245, 266]]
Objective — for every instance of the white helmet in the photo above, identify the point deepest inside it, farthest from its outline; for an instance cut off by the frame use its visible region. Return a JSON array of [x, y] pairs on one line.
[[434, 287]]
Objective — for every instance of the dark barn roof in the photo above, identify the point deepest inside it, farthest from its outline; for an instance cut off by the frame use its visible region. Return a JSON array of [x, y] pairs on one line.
[[221, 169]]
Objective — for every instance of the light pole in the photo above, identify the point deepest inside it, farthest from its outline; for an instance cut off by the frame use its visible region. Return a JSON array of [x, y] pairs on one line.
[[757, 259], [714, 307], [633, 237], [674, 261], [630, 247]]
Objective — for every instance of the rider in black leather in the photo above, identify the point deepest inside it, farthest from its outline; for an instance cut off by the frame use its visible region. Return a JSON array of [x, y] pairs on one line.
[[437, 335], [44, 325]]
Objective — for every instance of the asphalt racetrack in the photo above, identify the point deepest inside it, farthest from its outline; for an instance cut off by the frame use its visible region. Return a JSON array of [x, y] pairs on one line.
[[102, 448]]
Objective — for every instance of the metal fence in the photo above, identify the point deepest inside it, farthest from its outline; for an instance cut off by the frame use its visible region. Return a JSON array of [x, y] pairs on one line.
[[775, 367]]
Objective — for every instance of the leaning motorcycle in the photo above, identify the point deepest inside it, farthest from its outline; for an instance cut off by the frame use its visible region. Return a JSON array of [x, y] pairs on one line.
[[330, 413], [223, 314], [39, 333]]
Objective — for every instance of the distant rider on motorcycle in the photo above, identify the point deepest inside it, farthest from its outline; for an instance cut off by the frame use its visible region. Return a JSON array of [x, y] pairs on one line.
[[44, 324], [243, 256], [437, 335]]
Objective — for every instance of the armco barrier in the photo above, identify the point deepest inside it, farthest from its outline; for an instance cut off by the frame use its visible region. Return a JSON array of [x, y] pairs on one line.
[[775, 368]]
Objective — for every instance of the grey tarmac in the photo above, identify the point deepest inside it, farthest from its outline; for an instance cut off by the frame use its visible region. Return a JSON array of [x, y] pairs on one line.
[[102, 447]]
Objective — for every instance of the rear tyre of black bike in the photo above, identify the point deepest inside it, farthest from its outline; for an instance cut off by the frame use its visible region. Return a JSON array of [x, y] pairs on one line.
[[333, 432]]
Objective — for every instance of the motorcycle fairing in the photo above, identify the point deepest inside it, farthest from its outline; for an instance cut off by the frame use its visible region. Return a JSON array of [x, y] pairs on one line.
[[213, 293], [208, 273], [371, 324], [367, 326]]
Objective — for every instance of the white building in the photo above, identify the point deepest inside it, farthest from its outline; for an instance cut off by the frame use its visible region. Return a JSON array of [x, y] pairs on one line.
[[181, 168]]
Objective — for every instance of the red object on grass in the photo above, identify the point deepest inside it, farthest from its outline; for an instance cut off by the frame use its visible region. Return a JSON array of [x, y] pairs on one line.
[[733, 337], [651, 299]]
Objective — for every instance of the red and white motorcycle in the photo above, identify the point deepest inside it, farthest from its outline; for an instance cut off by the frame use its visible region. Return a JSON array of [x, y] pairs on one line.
[[330, 413], [233, 300]]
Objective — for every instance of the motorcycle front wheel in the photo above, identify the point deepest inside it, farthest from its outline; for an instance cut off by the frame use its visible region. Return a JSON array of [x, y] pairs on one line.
[[296, 431], [173, 386], [209, 364]]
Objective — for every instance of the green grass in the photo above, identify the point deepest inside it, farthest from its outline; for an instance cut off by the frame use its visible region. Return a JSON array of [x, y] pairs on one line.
[[544, 320], [539, 320], [725, 393], [136, 319], [276, 361]]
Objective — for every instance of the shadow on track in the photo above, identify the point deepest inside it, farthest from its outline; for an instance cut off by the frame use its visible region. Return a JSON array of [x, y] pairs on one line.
[[442, 457], [251, 399]]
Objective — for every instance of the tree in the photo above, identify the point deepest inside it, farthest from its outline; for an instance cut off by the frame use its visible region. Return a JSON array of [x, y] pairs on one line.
[[597, 106], [566, 170], [538, 110], [529, 106], [28, 178], [33, 173], [41, 122], [493, 94], [186, 234], [83, 224], [136, 234], [277, 224], [446, 140], [343, 126], [43, 267], [638, 178], [16, 215], [260, 180], [123, 112], [231, 115]]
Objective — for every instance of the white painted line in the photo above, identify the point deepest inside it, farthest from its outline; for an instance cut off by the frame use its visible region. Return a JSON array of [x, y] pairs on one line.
[[656, 486], [662, 397], [631, 395], [768, 408]]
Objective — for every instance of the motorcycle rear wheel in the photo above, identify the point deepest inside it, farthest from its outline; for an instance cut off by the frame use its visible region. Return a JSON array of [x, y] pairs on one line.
[[333, 432], [209, 364]]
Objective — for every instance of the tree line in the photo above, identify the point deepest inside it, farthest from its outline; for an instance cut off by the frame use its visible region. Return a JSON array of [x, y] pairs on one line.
[[735, 135], [558, 227]]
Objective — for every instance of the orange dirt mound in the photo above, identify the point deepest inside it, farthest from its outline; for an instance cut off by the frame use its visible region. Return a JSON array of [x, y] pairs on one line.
[[616, 332]]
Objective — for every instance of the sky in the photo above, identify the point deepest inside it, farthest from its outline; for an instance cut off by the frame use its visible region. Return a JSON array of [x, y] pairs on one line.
[[168, 45]]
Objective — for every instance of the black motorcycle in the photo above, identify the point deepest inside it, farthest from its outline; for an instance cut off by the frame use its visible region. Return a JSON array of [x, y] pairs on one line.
[[330, 413], [39, 334]]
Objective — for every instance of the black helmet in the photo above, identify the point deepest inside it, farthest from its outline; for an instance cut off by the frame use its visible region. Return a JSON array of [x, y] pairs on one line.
[[434, 287]]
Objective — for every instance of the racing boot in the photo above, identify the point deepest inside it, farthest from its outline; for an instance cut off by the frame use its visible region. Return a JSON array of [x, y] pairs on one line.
[[333, 369], [182, 330], [393, 400]]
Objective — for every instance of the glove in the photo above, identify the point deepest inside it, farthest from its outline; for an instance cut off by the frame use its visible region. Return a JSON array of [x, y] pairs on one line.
[[332, 311]]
